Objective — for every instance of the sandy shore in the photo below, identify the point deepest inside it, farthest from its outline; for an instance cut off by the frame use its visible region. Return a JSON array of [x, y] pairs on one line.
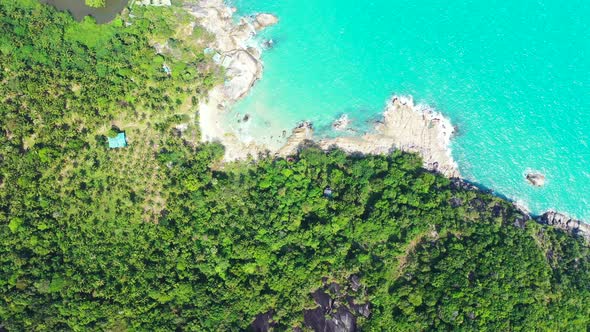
[[234, 50], [405, 126]]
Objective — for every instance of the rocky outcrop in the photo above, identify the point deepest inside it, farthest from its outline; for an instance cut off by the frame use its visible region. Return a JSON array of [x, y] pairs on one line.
[[405, 126], [262, 21], [339, 320], [241, 61], [263, 322], [341, 123], [232, 48], [410, 128], [536, 179], [337, 310], [243, 70], [302, 133], [563, 222]]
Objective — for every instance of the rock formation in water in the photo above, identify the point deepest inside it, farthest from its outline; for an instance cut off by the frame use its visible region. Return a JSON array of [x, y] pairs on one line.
[[341, 123], [406, 127], [263, 20], [268, 44], [536, 179]]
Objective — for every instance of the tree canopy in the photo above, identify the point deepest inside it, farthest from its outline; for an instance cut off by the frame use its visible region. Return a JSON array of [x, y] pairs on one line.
[[161, 236]]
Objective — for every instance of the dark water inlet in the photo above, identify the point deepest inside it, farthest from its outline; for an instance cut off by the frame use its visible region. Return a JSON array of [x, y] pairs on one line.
[[79, 9]]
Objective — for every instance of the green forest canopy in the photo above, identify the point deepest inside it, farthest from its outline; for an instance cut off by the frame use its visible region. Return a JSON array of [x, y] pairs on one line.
[[157, 236]]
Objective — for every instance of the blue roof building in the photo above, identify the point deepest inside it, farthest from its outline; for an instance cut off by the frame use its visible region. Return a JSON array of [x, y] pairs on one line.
[[167, 69], [118, 141]]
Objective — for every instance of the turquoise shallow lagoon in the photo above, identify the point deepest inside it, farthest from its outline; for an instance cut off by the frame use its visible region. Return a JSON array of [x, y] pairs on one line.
[[514, 78]]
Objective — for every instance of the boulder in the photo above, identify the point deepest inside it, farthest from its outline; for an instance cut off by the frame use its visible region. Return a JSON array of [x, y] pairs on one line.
[[536, 179], [268, 44], [341, 123], [563, 222], [262, 21], [263, 322], [244, 70]]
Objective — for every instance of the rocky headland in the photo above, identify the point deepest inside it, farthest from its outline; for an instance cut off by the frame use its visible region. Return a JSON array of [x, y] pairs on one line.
[[410, 128], [404, 125]]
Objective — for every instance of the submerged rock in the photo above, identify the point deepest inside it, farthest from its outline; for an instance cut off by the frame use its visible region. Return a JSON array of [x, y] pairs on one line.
[[268, 44], [341, 123], [536, 179]]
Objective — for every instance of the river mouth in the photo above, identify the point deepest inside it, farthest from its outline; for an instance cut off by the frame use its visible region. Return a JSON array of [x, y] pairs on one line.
[[79, 10]]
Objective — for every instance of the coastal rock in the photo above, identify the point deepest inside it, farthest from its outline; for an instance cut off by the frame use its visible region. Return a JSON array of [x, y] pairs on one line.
[[341, 123], [234, 49], [563, 222], [268, 44], [263, 20], [243, 71], [410, 128], [302, 133], [536, 179], [405, 126]]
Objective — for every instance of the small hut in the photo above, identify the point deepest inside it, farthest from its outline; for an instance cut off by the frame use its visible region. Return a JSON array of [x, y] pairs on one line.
[[167, 69], [117, 142]]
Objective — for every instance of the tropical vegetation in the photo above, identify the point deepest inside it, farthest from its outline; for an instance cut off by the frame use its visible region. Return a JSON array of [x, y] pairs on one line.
[[162, 236]]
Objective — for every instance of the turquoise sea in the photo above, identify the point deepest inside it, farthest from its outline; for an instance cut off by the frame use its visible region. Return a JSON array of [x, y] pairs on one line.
[[514, 76]]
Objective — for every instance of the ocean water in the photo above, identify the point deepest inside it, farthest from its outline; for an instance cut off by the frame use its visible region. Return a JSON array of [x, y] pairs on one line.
[[514, 77]]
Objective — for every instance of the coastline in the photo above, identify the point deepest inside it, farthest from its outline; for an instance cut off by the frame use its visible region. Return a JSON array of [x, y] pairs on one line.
[[404, 125], [234, 51]]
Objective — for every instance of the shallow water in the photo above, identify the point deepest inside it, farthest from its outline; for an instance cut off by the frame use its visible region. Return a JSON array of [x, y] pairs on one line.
[[514, 78], [79, 9]]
